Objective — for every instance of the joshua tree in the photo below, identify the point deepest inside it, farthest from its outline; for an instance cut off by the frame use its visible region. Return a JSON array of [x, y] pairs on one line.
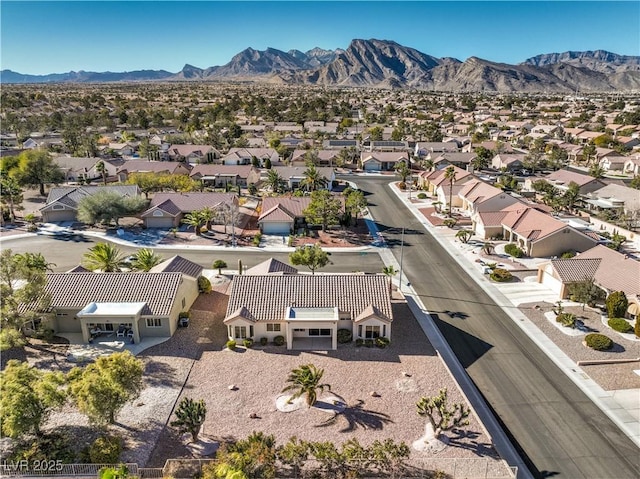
[[191, 415], [441, 417], [305, 380]]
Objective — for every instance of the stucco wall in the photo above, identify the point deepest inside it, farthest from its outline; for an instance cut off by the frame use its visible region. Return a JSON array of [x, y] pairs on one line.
[[558, 243]]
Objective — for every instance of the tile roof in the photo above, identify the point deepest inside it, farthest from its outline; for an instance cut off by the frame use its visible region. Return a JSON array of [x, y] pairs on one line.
[[476, 191], [573, 270], [76, 290], [287, 172], [178, 264], [565, 177], [531, 223], [186, 150], [243, 171], [167, 206], [152, 166], [272, 266], [617, 272], [187, 202], [71, 195], [323, 155], [267, 297], [277, 213], [293, 204]]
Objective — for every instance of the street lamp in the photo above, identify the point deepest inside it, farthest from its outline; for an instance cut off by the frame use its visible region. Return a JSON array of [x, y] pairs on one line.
[[401, 256]]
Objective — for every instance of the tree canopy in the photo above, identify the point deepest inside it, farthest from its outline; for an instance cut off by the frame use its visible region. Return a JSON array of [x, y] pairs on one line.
[[108, 206], [312, 257], [36, 169], [323, 209]]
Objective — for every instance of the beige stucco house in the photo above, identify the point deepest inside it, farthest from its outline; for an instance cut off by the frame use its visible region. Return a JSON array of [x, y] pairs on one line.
[[308, 310]]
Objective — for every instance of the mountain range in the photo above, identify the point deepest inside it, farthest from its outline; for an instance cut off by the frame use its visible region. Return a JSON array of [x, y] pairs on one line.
[[387, 64]]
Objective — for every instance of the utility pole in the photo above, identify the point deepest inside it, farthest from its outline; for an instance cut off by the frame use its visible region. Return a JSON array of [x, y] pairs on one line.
[[401, 256]]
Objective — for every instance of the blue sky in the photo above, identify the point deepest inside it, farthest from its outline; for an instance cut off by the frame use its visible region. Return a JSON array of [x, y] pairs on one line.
[[55, 36]]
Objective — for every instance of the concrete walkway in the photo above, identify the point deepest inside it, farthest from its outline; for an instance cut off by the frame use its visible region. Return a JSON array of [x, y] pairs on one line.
[[622, 407]]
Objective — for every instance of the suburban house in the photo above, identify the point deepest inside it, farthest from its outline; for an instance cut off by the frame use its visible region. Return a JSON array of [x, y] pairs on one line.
[[632, 165], [294, 175], [602, 264], [321, 157], [388, 145], [562, 178], [382, 160], [125, 306], [308, 310], [478, 196], [610, 160], [193, 154], [167, 210], [509, 162], [83, 169], [282, 215], [540, 235], [339, 144], [459, 159], [157, 167], [614, 197], [422, 149], [221, 176], [430, 180], [271, 266], [119, 149], [62, 202], [244, 156]]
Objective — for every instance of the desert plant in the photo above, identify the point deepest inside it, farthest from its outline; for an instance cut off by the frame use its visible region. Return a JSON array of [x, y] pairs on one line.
[[305, 381], [382, 342], [567, 319], [620, 324], [568, 254], [637, 327], [279, 340], [231, 344], [105, 450], [344, 336], [500, 275], [359, 342], [219, 264], [256, 239], [450, 222], [441, 416], [247, 342], [599, 342], [513, 250], [422, 196], [204, 285], [617, 304], [402, 185], [190, 417], [369, 343], [263, 341]]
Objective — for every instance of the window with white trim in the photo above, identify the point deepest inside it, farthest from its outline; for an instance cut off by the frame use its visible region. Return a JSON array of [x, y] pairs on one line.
[[273, 327], [372, 332], [154, 322]]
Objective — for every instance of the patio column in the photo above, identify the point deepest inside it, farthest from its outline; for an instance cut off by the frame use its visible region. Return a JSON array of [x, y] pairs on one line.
[[136, 329], [85, 330], [289, 335], [334, 336]]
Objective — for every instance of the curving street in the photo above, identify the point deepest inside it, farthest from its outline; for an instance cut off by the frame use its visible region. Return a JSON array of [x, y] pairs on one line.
[[557, 429]]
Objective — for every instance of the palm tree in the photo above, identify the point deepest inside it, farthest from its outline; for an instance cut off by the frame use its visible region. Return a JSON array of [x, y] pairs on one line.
[[596, 171], [390, 271], [464, 235], [145, 259], [313, 180], [274, 181], [403, 171], [428, 164], [305, 380], [104, 257], [450, 174], [195, 219], [102, 169]]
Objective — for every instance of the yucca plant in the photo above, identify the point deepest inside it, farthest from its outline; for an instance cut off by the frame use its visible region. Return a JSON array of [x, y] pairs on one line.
[[191, 415]]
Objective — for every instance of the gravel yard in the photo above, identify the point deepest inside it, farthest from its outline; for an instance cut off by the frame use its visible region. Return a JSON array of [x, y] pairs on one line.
[[400, 374]]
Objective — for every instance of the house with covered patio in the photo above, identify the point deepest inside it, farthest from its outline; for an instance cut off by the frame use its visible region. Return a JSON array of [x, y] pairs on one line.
[[308, 310], [125, 306]]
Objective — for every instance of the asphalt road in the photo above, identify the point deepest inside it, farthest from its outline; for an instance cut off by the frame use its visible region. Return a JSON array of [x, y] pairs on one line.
[[557, 429], [66, 252]]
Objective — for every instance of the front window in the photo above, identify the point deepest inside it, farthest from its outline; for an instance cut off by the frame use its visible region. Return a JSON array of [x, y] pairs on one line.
[[153, 323], [240, 332], [273, 327], [372, 332]]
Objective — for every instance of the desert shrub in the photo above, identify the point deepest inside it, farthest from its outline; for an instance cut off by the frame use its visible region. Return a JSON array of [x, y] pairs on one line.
[[247, 342], [204, 285], [45, 334], [617, 304], [105, 450], [402, 185], [48, 447], [231, 344], [599, 342], [568, 254], [344, 336], [11, 338], [500, 275], [567, 319], [513, 250], [279, 340], [620, 324], [382, 342], [492, 266], [359, 342], [256, 239], [263, 341], [450, 222], [637, 327], [368, 343], [184, 314], [422, 196]]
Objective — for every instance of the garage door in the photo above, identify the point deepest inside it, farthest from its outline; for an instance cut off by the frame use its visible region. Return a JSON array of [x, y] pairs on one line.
[[552, 283], [275, 228], [372, 166], [160, 222], [58, 216]]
